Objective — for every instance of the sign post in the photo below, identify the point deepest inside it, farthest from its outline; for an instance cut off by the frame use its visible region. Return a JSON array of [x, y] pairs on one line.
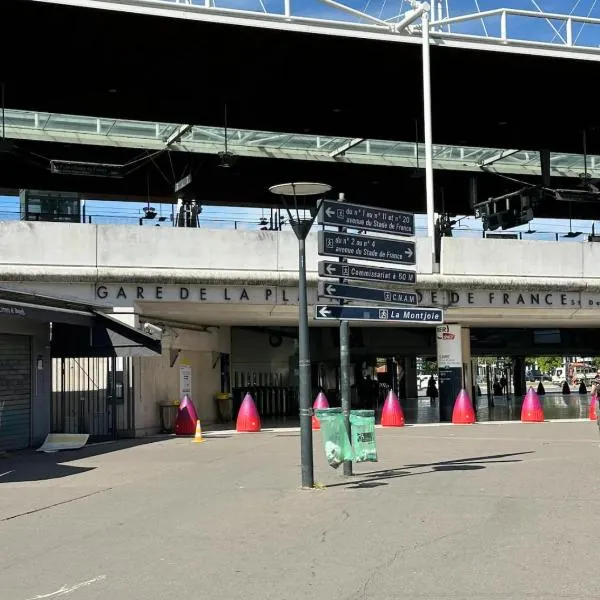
[[359, 246], [346, 400], [450, 367]]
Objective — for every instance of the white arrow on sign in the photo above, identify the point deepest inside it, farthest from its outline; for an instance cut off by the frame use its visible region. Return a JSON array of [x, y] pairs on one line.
[[330, 289], [330, 268], [409, 252], [329, 211], [324, 311]]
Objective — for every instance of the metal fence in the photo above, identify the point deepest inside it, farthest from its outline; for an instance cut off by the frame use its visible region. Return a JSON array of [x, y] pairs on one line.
[[93, 395]]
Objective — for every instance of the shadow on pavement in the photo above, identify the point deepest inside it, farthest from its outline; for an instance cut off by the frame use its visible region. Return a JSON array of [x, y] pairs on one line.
[[474, 463], [38, 470], [30, 465], [366, 485]]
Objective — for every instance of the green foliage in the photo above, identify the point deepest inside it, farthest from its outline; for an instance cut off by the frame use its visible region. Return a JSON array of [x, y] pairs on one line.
[[545, 363], [430, 367]]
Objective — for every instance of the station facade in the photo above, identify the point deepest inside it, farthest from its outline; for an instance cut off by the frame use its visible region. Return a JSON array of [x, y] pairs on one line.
[[97, 334]]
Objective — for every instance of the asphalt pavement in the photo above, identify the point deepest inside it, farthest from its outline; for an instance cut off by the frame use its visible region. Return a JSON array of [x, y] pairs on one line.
[[485, 511]]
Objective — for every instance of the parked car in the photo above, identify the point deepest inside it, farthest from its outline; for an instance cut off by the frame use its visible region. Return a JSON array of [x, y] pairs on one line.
[[534, 375]]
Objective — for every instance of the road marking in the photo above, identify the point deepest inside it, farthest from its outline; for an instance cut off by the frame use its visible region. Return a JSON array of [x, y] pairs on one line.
[[6, 473], [64, 590]]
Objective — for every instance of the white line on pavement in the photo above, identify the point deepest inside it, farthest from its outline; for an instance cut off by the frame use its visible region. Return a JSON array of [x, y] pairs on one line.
[[64, 590]]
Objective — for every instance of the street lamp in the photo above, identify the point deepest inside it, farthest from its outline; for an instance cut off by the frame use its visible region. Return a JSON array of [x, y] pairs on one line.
[[301, 227]]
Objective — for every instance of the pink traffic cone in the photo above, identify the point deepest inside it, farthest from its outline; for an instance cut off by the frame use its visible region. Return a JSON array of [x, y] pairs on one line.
[[185, 422], [392, 415], [463, 413], [532, 411], [593, 410], [248, 418], [320, 402]]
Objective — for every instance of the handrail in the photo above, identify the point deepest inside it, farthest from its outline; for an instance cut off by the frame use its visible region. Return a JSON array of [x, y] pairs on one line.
[[518, 13]]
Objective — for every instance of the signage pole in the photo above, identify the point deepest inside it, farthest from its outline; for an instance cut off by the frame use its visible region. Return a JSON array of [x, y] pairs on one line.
[[301, 227], [345, 364], [304, 375]]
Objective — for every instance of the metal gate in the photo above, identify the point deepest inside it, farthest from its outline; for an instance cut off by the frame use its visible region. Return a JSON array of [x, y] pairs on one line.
[[15, 392], [93, 395]]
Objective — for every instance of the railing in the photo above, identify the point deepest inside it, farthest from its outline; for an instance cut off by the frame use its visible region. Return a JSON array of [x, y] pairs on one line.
[[564, 30], [250, 220], [499, 17]]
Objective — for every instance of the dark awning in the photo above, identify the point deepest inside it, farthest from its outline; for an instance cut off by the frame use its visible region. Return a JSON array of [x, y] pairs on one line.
[[78, 329]]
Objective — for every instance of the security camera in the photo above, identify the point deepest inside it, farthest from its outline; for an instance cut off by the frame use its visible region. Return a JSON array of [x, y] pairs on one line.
[[151, 329]]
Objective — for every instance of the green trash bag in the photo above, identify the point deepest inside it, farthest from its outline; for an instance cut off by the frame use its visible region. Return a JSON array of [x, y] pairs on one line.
[[338, 448], [362, 424]]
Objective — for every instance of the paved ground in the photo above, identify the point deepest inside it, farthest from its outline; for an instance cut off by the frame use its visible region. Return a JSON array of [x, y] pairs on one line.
[[487, 511]]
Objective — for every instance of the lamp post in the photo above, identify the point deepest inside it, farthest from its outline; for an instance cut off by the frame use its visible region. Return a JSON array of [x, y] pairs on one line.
[[301, 227]]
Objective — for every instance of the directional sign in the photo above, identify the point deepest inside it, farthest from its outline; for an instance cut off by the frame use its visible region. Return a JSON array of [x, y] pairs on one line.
[[85, 169], [183, 183], [368, 218], [365, 273], [428, 316], [353, 292], [363, 247]]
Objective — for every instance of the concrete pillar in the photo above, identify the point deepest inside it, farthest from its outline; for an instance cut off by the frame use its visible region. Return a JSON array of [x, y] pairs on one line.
[[410, 377], [519, 383], [454, 366], [468, 375]]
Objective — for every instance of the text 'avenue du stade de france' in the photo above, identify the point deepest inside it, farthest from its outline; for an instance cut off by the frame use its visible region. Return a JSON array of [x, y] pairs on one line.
[[366, 248], [366, 218]]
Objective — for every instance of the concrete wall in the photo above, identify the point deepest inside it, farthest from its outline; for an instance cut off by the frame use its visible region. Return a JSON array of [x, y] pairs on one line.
[[157, 382], [51, 251], [524, 258], [30, 251]]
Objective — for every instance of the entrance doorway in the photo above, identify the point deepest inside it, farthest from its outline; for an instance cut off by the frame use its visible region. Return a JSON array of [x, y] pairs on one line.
[[93, 395]]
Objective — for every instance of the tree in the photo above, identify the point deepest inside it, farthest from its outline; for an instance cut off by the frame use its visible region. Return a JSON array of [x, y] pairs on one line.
[[545, 363], [430, 367]]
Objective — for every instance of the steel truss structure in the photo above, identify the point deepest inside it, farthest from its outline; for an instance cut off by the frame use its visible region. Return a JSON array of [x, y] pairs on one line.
[[422, 24], [503, 27], [94, 131]]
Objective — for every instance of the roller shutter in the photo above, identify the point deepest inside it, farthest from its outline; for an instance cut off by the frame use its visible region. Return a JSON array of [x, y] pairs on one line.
[[15, 392]]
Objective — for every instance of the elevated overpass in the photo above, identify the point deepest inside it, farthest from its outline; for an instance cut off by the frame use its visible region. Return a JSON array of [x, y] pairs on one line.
[[218, 277], [484, 105], [388, 170], [142, 75]]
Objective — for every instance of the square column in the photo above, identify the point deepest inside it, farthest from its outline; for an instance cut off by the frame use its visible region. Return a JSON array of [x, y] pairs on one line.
[[455, 369]]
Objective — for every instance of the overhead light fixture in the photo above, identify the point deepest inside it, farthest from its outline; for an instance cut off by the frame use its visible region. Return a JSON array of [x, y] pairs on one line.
[[227, 159], [572, 234]]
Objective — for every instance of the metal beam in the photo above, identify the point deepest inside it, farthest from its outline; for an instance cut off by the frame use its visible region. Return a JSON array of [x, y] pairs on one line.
[[356, 13], [372, 30], [342, 149], [314, 154], [492, 159], [411, 17], [177, 135]]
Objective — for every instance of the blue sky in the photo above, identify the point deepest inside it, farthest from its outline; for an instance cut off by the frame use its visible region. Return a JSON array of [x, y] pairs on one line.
[[518, 27]]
